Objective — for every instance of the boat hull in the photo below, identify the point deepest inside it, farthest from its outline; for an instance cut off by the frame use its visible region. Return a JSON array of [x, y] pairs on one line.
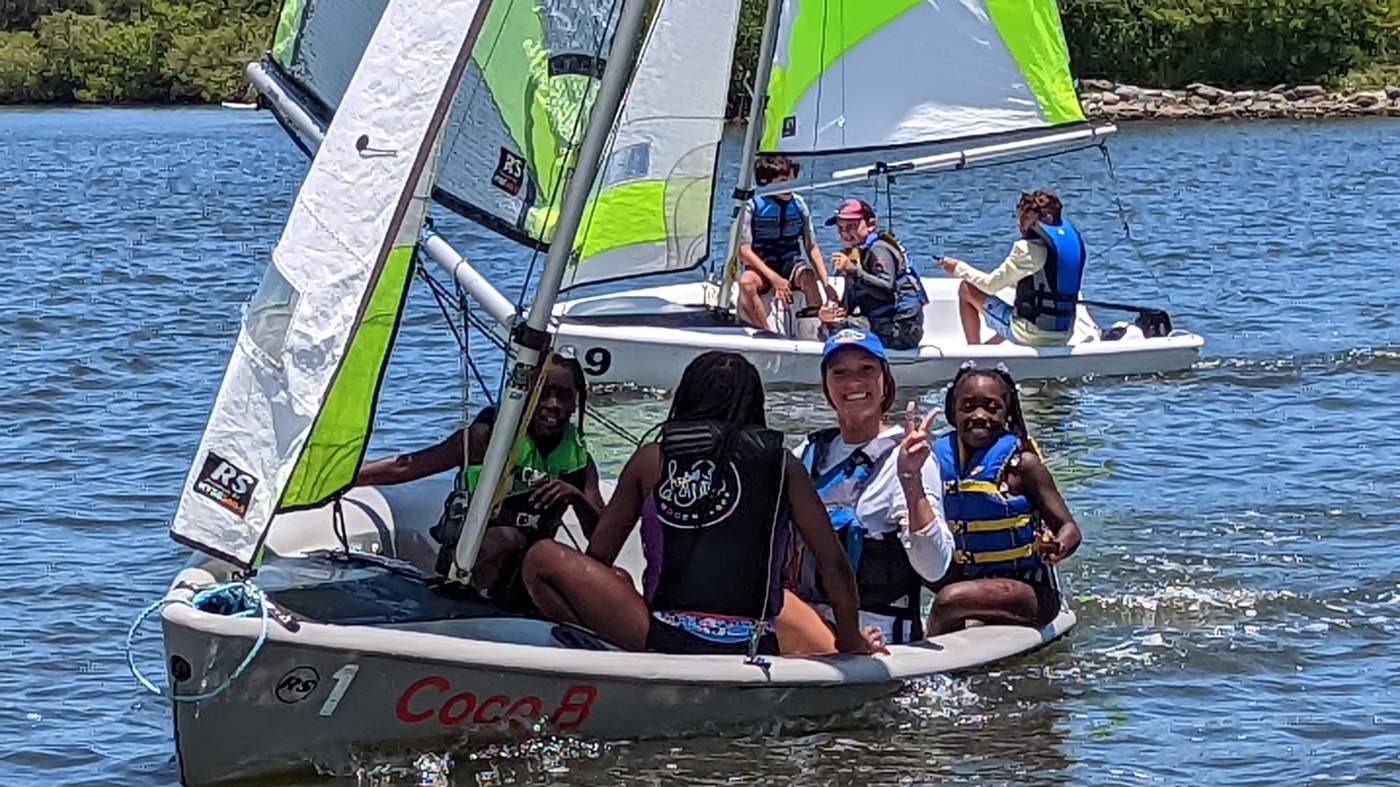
[[367, 663], [647, 337]]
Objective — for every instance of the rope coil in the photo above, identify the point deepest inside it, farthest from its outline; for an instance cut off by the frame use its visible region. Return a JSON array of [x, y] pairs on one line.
[[222, 593]]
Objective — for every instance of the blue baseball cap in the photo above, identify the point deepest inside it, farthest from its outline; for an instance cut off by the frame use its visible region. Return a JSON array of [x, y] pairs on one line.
[[853, 337]]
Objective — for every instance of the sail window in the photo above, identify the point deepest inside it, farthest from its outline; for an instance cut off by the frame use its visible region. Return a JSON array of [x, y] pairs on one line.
[[269, 313]]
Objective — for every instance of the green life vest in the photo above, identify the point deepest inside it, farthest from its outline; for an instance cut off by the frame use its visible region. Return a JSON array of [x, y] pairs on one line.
[[567, 461]]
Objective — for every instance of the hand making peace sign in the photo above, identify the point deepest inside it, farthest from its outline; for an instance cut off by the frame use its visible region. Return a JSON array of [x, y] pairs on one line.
[[915, 448]]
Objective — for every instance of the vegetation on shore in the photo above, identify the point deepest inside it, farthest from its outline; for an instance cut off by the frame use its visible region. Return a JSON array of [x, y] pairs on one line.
[[172, 51]]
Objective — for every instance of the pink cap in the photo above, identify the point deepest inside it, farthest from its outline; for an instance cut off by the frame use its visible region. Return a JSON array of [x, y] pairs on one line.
[[852, 209]]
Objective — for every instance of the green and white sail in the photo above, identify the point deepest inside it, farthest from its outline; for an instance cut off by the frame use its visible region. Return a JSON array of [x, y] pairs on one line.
[[653, 200], [859, 75], [292, 418], [517, 114]]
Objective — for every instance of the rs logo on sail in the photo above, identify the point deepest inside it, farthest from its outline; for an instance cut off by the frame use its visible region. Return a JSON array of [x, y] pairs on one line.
[[220, 481]]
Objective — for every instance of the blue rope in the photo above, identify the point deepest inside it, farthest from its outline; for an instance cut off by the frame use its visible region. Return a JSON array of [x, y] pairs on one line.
[[201, 597]]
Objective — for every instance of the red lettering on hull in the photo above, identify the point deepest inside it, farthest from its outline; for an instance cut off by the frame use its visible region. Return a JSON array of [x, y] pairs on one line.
[[432, 696]]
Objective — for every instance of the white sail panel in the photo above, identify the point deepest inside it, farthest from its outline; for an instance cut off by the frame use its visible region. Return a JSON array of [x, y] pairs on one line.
[[653, 200], [293, 414], [853, 75]]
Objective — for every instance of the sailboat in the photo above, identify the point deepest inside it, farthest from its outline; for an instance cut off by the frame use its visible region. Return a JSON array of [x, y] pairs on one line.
[[995, 85], [308, 632]]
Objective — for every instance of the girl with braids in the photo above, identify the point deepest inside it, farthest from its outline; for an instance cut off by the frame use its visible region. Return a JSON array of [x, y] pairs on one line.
[[718, 497], [1010, 525], [555, 472]]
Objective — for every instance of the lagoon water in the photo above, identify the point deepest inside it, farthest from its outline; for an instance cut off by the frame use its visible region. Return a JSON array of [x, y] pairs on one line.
[[1239, 584]]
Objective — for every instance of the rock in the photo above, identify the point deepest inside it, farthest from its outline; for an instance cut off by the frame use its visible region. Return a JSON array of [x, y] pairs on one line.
[[1175, 111], [1096, 85], [1130, 92], [1108, 99], [1367, 99], [1279, 88], [1198, 102], [1244, 95], [1152, 107], [1309, 91], [1393, 93], [1210, 94]]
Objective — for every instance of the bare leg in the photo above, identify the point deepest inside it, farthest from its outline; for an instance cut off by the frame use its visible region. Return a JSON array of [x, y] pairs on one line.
[[996, 601], [501, 550], [750, 301], [802, 631], [572, 587], [970, 303]]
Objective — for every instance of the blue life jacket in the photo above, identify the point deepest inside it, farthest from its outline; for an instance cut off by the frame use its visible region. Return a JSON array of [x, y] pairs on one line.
[[840, 488], [993, 532], [909, 295], [778, 228], [1048, 298]]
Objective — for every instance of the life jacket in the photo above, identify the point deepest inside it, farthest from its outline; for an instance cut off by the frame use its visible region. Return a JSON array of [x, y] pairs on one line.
[[568, 462], [840, 488], [778, 228], [1048, 298], [994, 534], [909, 296], [715, 527]]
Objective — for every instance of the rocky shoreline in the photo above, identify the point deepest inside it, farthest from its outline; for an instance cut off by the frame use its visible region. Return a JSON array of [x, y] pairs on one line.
[[1104, 100]]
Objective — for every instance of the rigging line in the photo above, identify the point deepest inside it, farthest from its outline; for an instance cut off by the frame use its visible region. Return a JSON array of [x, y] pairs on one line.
[[462, 334], [442, 305], [1127, 228]]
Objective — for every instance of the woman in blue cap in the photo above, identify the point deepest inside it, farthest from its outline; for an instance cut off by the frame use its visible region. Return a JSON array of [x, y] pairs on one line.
[[880, 486]]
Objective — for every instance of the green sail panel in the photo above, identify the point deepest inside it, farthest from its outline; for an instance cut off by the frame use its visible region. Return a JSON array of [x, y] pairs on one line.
[[850, 75]]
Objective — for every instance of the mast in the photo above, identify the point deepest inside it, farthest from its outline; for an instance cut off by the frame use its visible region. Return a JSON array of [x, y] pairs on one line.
[[529, 339], [743, 190]]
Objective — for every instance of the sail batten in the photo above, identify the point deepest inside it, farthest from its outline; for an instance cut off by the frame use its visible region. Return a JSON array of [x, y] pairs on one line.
[[294, 410], [854, 76]]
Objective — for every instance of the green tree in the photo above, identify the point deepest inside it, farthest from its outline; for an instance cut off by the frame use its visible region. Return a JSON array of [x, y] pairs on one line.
[[21, 68]]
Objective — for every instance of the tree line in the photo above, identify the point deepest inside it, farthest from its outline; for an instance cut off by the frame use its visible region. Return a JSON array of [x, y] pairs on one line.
[[172, 51]]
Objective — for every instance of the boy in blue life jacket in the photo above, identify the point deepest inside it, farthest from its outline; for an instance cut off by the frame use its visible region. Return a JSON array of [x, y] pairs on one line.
[[775, 230], [1046, 266], [1009, 523]]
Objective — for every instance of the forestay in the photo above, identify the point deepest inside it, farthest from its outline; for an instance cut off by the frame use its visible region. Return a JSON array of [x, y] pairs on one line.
[[518, 113], [854, 75], [292, 418], [653, 200]]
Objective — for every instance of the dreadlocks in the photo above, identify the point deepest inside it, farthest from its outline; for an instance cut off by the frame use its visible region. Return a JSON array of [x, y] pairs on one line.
[[1015, 418]]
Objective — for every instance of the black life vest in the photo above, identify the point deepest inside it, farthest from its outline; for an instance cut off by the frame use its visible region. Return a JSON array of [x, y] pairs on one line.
[[716, 514], [908, 299], [1048, 298]]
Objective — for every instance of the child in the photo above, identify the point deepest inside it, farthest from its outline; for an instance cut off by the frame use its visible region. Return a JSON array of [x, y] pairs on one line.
[[555, 473], [775, 230], [1010, 525]]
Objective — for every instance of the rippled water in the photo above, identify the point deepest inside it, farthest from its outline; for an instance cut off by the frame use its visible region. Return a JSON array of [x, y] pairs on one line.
[[1239, 584]]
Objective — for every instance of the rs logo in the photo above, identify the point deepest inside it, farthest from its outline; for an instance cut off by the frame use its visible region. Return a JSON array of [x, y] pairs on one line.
[[231, 479]]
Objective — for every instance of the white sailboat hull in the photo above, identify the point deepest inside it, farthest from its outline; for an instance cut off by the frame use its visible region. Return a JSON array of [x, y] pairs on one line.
[[377, 666], [647, 336]]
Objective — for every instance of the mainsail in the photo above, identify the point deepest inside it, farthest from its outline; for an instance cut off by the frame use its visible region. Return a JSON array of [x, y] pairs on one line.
[[652, 203], [854, 75], [292, 418], [517, 120]]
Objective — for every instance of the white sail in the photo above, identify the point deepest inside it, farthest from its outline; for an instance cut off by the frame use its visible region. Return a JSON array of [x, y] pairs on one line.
[[292, 418], [853, 74], [653, 201]]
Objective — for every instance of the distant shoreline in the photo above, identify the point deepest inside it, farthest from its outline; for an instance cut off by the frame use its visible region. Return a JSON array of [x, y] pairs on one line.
[[1105, 100]]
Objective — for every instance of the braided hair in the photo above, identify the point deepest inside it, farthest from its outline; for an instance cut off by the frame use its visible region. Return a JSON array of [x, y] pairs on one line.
[[720, 386], [1015, 418]]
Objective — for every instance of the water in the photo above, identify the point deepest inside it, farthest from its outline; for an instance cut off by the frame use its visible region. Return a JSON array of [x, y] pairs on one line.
[[1239, 584]]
